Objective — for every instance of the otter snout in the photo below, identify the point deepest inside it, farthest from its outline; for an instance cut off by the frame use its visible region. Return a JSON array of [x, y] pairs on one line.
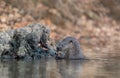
[[59, 48], [59, 55]]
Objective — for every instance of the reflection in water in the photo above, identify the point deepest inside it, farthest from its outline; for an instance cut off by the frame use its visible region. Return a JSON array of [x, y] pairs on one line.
[[70, 69], [51, 68]]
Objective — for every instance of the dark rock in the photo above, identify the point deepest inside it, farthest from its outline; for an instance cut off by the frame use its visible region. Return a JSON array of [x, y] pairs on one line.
[[24, 42]]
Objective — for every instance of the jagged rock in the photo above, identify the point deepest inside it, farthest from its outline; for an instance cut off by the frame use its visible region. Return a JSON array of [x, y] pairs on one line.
[[24, 42]]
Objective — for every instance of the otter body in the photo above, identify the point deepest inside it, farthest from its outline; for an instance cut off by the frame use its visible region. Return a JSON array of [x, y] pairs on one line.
[[69, 48]]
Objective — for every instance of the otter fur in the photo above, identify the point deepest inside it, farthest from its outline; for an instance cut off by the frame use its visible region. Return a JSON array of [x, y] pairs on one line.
[[69, 48]]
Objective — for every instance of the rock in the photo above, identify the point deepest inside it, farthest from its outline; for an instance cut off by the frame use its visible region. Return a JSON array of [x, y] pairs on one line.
[[24, 42]]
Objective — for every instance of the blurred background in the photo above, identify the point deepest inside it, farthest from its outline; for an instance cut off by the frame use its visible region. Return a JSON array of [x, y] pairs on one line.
[[95, 23]]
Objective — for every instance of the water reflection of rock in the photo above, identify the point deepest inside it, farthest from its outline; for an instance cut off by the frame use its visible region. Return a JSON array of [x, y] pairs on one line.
[[33, 69], [24, 69], [49, 68]]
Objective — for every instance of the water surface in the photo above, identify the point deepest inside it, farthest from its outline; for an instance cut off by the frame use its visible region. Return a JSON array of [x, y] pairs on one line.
[[103, 63], [51, 68]]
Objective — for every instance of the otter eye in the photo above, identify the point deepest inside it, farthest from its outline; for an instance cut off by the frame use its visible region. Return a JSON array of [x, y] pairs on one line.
[[71, 42]]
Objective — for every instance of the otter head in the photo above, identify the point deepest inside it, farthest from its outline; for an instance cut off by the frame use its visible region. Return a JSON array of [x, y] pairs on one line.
[[63, 48]]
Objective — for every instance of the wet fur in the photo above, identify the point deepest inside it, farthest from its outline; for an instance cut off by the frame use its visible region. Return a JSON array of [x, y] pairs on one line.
[[69, 48]]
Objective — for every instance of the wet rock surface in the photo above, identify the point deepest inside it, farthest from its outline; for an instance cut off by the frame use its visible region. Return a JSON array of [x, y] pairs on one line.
[[30, 42]]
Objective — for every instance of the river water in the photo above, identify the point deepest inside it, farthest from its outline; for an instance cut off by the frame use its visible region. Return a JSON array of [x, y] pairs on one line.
[[105, 64], [51, 68]]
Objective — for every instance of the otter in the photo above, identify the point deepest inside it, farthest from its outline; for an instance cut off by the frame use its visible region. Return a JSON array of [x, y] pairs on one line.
[[69, 48]]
